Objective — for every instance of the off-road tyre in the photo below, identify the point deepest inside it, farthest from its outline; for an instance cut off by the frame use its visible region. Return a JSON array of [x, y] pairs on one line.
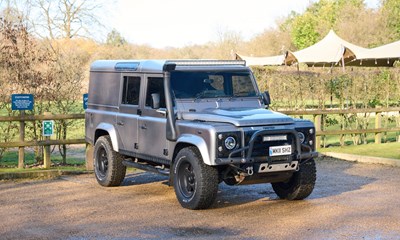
[[108, 166], [300, 185], [195, 183]]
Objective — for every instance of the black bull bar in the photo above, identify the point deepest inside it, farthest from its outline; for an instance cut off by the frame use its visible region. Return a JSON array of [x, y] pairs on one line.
[[298, 156]]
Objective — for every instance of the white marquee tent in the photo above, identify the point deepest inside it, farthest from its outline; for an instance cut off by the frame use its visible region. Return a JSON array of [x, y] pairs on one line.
[[333, 51], [384, 55], [263, 61], [330, 50]]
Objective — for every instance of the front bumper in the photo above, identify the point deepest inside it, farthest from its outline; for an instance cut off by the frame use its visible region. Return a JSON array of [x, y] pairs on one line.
[[246, 152]]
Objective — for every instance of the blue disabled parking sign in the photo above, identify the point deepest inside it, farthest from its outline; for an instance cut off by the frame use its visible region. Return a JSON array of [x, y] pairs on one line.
[[22, 102]]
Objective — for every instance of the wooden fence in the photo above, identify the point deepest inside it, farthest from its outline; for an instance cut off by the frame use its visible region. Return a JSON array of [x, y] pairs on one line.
[[46, 143], [318, 116]]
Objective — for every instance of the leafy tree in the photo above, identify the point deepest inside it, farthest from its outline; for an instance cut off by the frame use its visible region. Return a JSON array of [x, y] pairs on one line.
[[304, 31], [391, 10], [308, 28], [114, 38]]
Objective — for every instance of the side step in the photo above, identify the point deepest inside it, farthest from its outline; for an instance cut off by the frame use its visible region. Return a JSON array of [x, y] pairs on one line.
[[146, 167]]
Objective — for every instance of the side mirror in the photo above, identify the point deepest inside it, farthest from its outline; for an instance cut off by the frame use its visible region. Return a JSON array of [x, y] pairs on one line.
[[266, 98], [155, 100]]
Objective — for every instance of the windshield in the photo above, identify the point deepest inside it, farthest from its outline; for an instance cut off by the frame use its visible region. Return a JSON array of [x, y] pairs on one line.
[[212, 84]]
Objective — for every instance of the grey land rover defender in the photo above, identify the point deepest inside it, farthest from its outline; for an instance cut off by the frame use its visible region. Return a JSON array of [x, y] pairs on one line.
[[201, 122]]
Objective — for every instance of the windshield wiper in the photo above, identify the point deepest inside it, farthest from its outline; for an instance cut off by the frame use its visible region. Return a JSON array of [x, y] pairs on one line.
[[199, 95]]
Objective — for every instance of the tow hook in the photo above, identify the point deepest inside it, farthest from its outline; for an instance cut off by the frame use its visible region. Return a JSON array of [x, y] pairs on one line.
[[250, 170]]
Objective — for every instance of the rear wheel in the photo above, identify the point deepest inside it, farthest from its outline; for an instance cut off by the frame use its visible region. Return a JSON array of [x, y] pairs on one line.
[[300, 185], [195, 183], [108, 166]]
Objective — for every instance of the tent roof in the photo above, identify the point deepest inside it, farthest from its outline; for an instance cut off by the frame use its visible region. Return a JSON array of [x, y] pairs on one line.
[[384, 55], [391, 50], [262, 61], [329, 50]]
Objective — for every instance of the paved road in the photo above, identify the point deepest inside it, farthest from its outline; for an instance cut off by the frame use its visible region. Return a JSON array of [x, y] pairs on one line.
[[350, 201]]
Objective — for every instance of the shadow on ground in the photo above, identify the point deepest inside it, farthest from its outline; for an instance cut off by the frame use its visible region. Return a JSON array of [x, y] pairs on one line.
[[332, 179]]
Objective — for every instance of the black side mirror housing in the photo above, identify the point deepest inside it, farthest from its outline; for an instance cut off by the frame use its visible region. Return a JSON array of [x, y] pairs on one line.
[[155, 100], [266, 98]]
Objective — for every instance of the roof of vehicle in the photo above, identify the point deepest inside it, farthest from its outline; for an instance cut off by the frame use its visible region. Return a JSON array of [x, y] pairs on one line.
[[157, 65]]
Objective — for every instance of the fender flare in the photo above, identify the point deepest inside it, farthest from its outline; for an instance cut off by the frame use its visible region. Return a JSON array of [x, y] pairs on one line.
[[199, 143], [111, 132]]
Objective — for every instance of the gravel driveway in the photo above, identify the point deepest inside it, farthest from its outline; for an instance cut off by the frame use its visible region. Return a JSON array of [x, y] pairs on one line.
[[350, 201]]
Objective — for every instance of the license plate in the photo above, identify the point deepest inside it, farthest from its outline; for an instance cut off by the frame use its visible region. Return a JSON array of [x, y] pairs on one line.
[[280, 150]]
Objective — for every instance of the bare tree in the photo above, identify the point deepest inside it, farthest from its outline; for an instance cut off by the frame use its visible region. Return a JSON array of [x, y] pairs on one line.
[[23, 69], [17, 11], [67, 75], [228, 43], [66, 18]]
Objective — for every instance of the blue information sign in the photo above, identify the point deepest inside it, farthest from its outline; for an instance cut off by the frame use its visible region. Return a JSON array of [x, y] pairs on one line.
[[85, 100], [22, 101]]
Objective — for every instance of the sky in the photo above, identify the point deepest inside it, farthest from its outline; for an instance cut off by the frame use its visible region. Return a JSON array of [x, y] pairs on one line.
[[179, 23]]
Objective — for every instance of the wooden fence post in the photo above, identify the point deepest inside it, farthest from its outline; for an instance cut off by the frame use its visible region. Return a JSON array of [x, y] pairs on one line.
[[89, 156], [398, 125], [47, 159], [318, 127], [342, 120], [378, 124], [21, 150]]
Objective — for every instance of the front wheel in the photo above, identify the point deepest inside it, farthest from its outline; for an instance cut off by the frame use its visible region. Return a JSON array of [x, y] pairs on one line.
[[195, 183], [300, 185], [108, 166]]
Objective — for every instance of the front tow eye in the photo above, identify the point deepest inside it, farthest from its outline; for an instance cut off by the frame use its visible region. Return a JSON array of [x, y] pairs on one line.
[[250, 170]]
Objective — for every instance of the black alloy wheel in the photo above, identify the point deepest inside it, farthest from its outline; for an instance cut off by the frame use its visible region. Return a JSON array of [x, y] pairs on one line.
[[186, 180], [108, 167], [195, 183], [102, 162]]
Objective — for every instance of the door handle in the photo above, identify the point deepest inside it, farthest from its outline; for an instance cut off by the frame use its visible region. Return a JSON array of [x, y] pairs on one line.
[[143, 127], [120, 123]]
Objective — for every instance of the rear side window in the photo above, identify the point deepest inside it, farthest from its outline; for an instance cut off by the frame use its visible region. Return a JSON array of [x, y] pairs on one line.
[[131, 90]]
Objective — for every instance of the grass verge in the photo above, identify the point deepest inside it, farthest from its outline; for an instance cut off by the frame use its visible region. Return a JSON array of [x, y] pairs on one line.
[[384, 150]]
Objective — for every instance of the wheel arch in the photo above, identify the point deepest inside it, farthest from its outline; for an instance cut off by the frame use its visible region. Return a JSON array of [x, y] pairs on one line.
[[188, 140], [107, 129]]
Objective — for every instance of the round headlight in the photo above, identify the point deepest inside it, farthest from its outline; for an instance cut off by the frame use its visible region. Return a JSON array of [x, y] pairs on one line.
[[230, 143], [302, 137]]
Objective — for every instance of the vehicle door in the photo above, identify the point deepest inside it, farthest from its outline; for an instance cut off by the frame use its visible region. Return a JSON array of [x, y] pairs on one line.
[[152, 123], [129, 112]]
